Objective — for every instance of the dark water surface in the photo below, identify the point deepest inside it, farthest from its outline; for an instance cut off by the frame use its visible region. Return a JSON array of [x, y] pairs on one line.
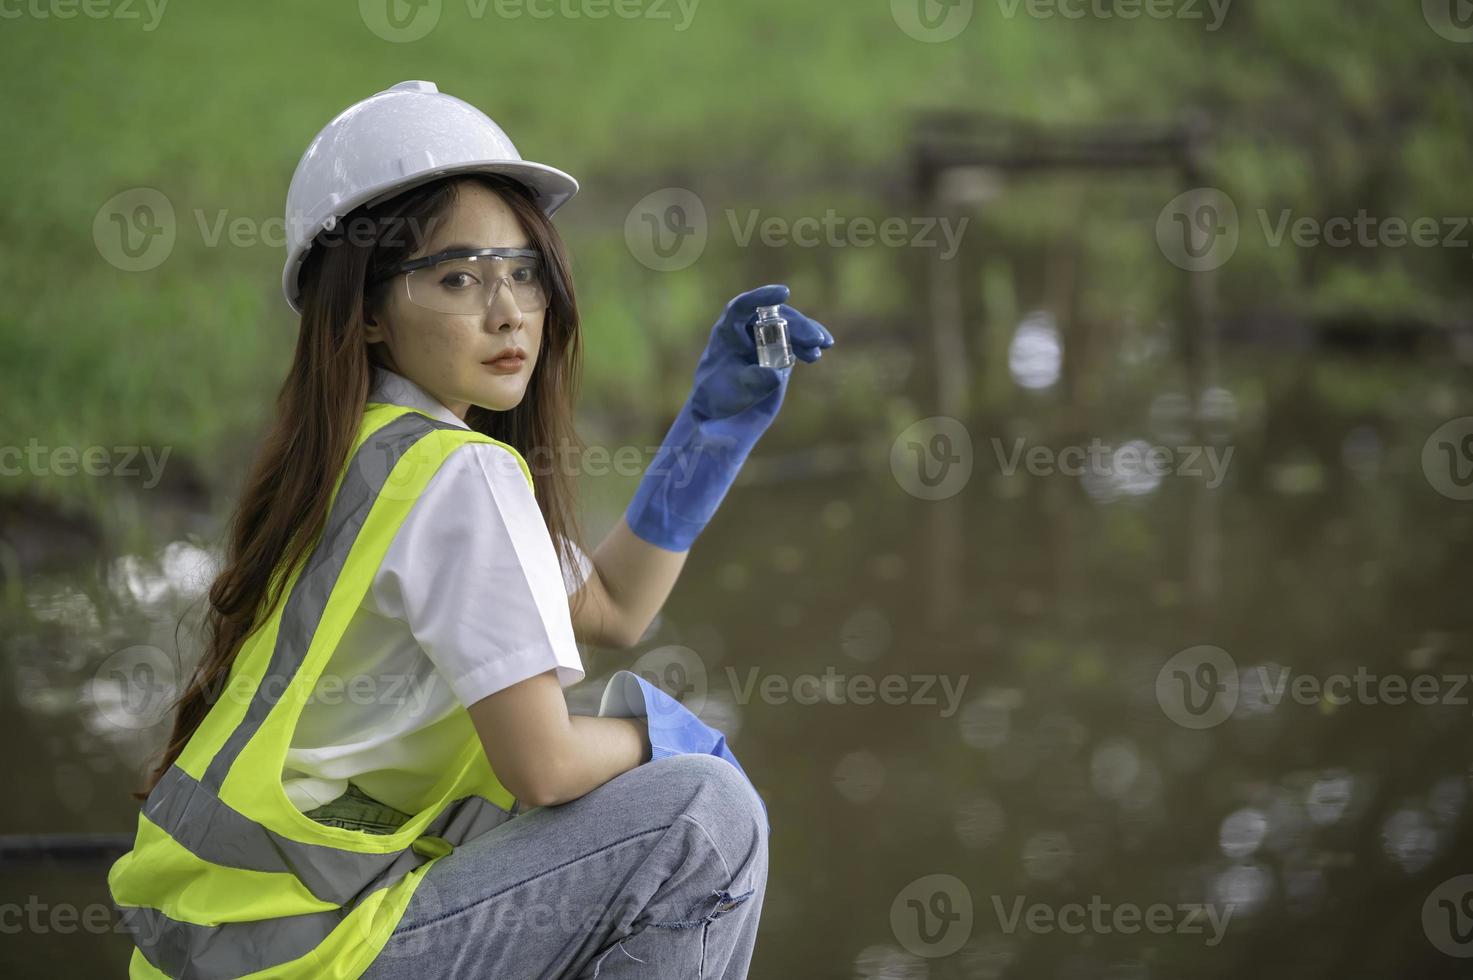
[[1042, 790]]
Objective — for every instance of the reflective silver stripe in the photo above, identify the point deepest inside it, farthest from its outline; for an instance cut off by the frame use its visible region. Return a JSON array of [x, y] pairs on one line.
[[307, 602], [207, 827], [186, 951], [212, 830], [216, 833]]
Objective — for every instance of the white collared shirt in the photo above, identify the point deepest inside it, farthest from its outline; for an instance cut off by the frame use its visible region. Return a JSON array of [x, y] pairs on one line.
[[470, 598]]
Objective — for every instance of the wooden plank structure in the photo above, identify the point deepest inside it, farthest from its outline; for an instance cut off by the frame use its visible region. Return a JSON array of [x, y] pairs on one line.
[[949, 147]]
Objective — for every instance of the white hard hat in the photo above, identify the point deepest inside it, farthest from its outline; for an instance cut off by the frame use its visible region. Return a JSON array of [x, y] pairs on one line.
[[404, 136]]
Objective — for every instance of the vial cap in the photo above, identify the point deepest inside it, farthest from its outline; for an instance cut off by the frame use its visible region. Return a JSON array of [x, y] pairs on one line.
[[768, 312]]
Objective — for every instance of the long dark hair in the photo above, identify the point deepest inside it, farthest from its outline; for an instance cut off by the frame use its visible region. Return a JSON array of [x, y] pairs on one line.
[[284, 504]]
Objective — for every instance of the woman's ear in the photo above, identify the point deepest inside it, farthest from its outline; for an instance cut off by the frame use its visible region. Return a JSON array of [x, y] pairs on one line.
[[372, 331], [372, 306]]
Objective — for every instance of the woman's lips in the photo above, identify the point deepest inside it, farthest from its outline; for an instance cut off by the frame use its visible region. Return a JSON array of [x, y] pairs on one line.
[[508, 364]]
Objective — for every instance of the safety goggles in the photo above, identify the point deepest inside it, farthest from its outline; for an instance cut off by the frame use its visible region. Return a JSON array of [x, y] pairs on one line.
[[465, 280]]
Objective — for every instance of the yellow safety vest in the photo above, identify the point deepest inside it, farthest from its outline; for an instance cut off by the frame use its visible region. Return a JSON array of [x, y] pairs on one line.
[[227, 878]]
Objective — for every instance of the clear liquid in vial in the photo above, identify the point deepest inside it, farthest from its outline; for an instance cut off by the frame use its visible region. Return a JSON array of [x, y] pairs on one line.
[[771, 333]]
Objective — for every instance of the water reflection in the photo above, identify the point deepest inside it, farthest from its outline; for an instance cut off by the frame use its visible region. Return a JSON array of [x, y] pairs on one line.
[[1129, 472], [1059, 775], [93, 650], [980, 821], [986, 722], [889, 963], [1172, 418], [1047, 855], [1410, 839], [1329, 796], [859, 776], [1447, 798], [988, 958], [179, 569], [1242, 832], [865, 634], [1036, 354], [1114, 767], [1243, 887]]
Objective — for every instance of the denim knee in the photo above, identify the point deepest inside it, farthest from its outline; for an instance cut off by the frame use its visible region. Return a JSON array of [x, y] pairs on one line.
[[724, 803]]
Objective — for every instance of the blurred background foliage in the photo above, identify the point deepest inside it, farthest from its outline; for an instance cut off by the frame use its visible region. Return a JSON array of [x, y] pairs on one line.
[[1324, 108]]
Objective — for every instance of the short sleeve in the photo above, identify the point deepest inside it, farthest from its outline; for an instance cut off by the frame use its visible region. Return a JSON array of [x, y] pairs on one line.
[[473, 573]]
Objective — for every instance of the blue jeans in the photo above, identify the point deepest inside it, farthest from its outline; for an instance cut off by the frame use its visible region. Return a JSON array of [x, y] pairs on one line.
[[657, 874]]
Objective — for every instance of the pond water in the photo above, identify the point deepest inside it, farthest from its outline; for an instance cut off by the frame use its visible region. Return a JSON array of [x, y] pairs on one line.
[[1052, 691]]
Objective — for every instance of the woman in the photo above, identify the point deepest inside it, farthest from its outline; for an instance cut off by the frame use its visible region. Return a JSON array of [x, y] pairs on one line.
[[373, 771]]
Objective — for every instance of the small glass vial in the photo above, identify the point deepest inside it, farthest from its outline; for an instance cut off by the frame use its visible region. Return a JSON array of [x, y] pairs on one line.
[[771, 333]]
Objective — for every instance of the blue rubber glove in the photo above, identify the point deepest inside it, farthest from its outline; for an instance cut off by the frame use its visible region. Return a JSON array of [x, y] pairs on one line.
[[732, 402], [674, 728]]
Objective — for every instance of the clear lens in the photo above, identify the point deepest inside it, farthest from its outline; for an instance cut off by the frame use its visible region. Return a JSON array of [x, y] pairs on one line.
[[466, 285]]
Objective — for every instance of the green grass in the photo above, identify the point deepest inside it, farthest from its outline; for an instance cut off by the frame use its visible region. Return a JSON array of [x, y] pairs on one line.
[[214, 107]]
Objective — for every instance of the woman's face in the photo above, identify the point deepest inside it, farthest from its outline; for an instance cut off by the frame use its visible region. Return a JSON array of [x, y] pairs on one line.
[[444, 353]]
